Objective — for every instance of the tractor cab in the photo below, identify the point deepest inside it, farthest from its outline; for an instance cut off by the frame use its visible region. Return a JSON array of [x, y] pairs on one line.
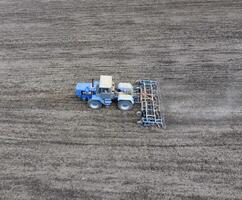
[[105, 89]]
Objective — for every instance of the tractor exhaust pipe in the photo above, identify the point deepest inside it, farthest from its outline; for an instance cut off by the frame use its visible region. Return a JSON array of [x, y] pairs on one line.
[[92, 86], [92, 82]]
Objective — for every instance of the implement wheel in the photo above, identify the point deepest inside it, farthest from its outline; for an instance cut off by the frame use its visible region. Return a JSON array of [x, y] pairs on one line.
[[94, 104], [125, 105], [139, 114]]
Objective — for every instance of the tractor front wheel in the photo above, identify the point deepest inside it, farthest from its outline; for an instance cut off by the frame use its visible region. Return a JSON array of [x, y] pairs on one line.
[[125, 105], [94, 104]]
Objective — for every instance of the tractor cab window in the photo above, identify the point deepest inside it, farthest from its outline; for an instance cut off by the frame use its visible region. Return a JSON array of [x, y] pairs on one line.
[[104, 90]]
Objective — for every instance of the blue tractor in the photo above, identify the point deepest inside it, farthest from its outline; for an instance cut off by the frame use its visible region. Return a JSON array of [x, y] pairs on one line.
[[143, 92], [104, 92]]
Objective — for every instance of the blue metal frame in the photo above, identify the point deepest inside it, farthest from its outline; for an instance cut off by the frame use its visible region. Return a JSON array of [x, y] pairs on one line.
[[85, 90]]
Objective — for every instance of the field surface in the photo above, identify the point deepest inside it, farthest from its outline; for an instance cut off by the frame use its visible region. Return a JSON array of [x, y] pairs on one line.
[[52, 146]]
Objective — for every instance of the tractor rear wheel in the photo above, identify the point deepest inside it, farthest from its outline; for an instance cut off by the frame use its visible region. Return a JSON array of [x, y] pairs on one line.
[[125, 105], [94, 104]]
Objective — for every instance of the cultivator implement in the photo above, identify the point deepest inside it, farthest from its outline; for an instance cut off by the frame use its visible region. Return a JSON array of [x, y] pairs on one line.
[[147, 95]]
